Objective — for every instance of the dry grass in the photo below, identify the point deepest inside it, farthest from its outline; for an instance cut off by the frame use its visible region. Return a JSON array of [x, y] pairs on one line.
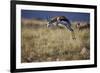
[[40, 44]]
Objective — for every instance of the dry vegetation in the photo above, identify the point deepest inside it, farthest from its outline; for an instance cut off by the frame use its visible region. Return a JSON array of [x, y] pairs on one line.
[[41, 44]]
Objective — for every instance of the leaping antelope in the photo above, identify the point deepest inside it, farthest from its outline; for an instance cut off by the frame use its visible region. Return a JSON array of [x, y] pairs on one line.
[[63, 21]]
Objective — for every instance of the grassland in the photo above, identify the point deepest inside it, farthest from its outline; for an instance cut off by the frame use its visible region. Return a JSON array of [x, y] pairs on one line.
[[42, 44]]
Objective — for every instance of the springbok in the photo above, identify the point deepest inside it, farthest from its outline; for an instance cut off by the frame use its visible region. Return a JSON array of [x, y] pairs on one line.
[[81, 26], [61, 20]]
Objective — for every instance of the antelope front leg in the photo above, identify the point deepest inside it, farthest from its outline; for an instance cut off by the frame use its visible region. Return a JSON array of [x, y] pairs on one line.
[[73, 35]]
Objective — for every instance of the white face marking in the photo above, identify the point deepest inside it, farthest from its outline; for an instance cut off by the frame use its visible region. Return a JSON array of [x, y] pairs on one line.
[[47, 24]]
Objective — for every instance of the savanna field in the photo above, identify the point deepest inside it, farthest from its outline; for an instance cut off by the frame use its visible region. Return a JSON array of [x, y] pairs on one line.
[[42, 44]]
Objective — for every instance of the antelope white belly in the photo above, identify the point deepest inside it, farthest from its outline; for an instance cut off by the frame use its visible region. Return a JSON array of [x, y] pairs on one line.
[[60, 25]]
